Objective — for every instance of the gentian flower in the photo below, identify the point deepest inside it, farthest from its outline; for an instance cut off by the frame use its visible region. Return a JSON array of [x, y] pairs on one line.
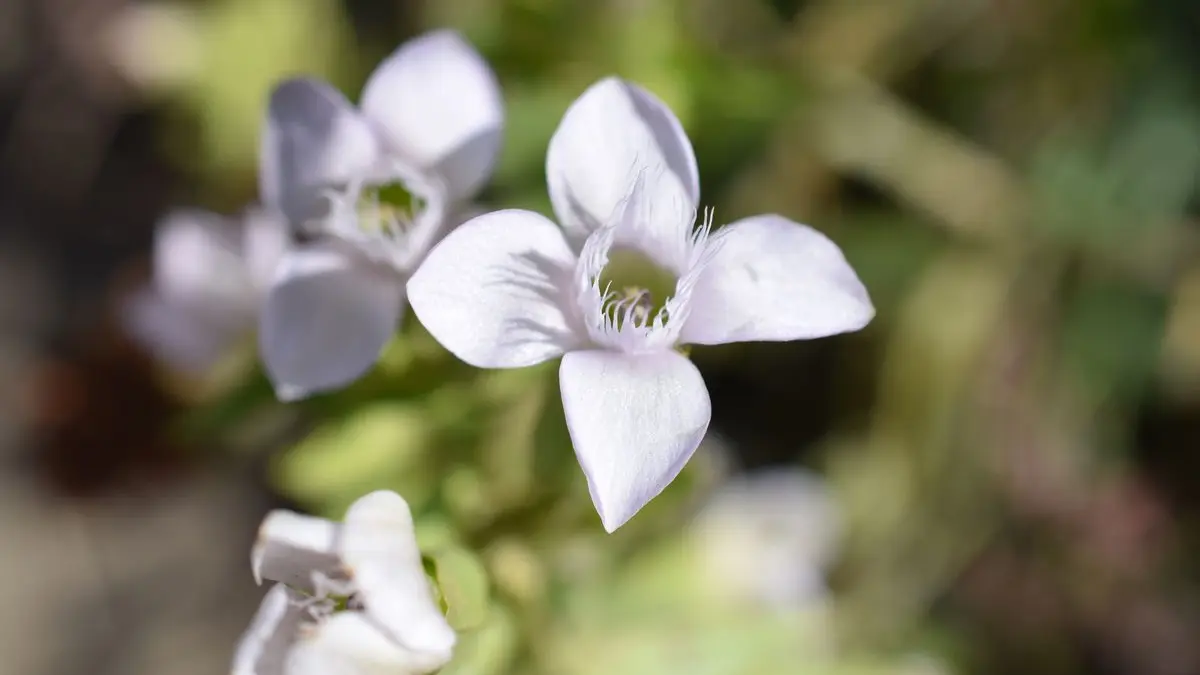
[[209, 276], [371, 189], [352, 597], [622, 284]]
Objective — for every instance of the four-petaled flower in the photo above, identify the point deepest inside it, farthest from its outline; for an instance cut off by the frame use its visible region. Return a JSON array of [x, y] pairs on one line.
[[428, 127], [511, 289], [210, 274], [351, 597]]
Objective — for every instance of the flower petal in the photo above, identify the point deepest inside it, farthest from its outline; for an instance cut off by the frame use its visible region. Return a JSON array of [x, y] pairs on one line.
[[438, 105], [264, 647], [327, 316], [197, 259], [379, 548], [265, 239], [773, 279], [291, 547], [350, 643], [493, 291], [313, 139], [183, 336], [635, 420], [612, 133]]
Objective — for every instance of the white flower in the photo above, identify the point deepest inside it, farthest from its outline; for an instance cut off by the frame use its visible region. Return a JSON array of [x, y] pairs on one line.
[[428, 127], [769, 537], [512, 289], [209, 277], [370, 567]]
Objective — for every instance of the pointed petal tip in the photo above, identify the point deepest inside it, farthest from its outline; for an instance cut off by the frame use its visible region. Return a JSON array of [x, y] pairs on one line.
[[610, 522]]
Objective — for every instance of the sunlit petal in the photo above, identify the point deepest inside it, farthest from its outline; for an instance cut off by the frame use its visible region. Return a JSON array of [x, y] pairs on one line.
[[773, 279], [494, 291], [609, 136], [379, 547], [635, 420], [438, 105]]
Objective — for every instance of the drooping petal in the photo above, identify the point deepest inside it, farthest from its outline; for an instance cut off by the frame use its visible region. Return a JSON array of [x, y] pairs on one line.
[[264, 241], [291, 547], [264, 647], [609, 136], [379, 547], [312, 139], [493, 292], [327, 316], [437, 104], [197, 260], [635, 420], [773, 279], [350, 643]]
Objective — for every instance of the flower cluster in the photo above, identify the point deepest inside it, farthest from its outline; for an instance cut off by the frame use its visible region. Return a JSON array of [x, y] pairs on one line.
[[624, 279], [375, 200]]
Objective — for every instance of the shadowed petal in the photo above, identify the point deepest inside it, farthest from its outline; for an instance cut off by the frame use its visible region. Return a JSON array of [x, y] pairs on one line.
[[312, 139], [493, 291], [437, 103], [184, 336], [635, 420], [609, 136], [291, 547], [264, 647], [771, 280], [327, 316]]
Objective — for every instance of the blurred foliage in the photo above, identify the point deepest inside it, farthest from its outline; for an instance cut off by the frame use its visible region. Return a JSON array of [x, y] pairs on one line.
[[1016, 184]]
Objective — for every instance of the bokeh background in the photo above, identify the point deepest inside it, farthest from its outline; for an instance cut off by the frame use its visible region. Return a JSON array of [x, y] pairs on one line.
[[1000, 475]]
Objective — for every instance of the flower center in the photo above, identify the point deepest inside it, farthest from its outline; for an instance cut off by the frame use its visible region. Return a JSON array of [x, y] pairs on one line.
[[637, 287], [387, 210]]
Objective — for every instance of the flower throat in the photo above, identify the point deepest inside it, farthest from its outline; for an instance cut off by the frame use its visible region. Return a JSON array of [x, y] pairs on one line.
[[637, 287]]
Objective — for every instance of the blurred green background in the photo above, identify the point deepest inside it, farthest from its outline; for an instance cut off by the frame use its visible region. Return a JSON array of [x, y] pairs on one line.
[[1011, 451]]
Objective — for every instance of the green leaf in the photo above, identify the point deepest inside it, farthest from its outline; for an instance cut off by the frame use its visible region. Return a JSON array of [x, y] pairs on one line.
[[381, 446], [464, 585], [489, 650]]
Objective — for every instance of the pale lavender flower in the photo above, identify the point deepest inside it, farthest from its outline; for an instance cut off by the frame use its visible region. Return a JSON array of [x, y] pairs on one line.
[[209, 276], [351, 597], [429, 123], [512, 289]]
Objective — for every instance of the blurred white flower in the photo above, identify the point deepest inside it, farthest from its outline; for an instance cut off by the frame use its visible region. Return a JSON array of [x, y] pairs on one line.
[[209, 277], [428, 131], [768, 538], [352, 597], [512, 289]]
